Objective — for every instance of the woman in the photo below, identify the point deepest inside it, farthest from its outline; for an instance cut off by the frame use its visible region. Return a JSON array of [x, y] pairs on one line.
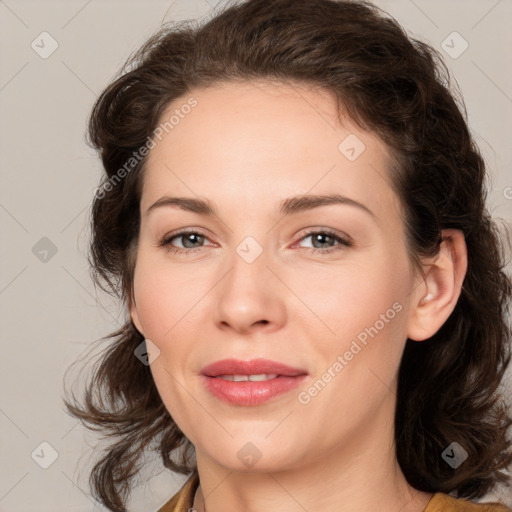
[[293, 213]]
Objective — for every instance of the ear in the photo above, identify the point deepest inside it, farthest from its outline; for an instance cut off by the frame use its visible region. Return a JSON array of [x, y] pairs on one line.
[[435, 299], [134, 314]]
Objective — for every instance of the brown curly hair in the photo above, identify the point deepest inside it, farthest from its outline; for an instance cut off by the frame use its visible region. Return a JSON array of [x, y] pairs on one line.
[[387, 82]]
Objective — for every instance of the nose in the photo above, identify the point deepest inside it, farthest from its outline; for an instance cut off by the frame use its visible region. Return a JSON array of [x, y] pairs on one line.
[[250, 297]]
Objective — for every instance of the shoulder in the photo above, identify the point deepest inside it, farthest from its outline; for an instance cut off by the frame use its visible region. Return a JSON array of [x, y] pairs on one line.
[[182, 501], [444, 503]]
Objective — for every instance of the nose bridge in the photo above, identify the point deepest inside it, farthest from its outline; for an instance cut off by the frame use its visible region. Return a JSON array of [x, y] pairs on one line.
[[247, 295], [248, 266], [250, 250]]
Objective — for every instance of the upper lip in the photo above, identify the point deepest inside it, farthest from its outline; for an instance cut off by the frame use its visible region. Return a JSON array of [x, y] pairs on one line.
[[252, 367]]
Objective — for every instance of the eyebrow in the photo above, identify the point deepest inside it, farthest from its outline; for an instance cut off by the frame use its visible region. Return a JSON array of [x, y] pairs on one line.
[[288, 206]]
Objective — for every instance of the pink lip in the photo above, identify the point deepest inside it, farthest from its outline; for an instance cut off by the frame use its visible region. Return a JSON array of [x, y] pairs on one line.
[[252, 367], [250, 393]]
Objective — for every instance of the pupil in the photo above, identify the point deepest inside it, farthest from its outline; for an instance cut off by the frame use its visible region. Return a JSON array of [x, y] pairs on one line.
[[320, 236], [189, 236]]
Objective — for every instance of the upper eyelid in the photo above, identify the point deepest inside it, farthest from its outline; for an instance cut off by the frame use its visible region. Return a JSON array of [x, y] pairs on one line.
[[185, 232]]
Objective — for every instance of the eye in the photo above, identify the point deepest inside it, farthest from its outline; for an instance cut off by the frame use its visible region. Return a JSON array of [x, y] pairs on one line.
[[192, 241], [189, 239], [325, 238]]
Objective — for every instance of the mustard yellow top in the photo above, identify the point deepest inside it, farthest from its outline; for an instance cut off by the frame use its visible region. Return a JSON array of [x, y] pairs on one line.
[[183, 500]]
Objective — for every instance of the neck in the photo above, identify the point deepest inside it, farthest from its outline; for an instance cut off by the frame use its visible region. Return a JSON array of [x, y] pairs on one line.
[[361, 475]]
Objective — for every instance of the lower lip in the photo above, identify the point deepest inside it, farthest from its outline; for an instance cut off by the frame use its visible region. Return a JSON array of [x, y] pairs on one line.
[[248, 392]]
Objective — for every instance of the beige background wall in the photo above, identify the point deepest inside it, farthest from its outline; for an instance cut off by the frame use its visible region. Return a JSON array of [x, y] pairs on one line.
[[49, 308]]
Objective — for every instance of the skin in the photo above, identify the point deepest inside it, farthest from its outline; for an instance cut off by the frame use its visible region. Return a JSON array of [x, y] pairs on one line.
[[245, 147]]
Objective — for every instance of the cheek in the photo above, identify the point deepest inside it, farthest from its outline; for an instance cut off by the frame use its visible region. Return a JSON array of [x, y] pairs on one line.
[[351, 298], [155, 301], [164, 296], [163, 301]]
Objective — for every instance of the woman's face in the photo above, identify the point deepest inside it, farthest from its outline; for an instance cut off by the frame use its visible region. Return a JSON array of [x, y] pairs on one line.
[[271, 277]]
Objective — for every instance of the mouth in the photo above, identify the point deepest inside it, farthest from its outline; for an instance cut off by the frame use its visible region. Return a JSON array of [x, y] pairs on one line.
[[253, 368], [250, 383]]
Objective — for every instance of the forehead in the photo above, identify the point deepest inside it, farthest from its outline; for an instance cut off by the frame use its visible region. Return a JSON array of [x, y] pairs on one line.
[[249, 143]]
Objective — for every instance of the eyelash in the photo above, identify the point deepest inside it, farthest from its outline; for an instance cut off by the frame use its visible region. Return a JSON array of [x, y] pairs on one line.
[[166, 241]]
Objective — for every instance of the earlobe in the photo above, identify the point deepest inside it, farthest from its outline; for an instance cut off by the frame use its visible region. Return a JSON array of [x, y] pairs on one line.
[[436, 299], [134, 314]]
